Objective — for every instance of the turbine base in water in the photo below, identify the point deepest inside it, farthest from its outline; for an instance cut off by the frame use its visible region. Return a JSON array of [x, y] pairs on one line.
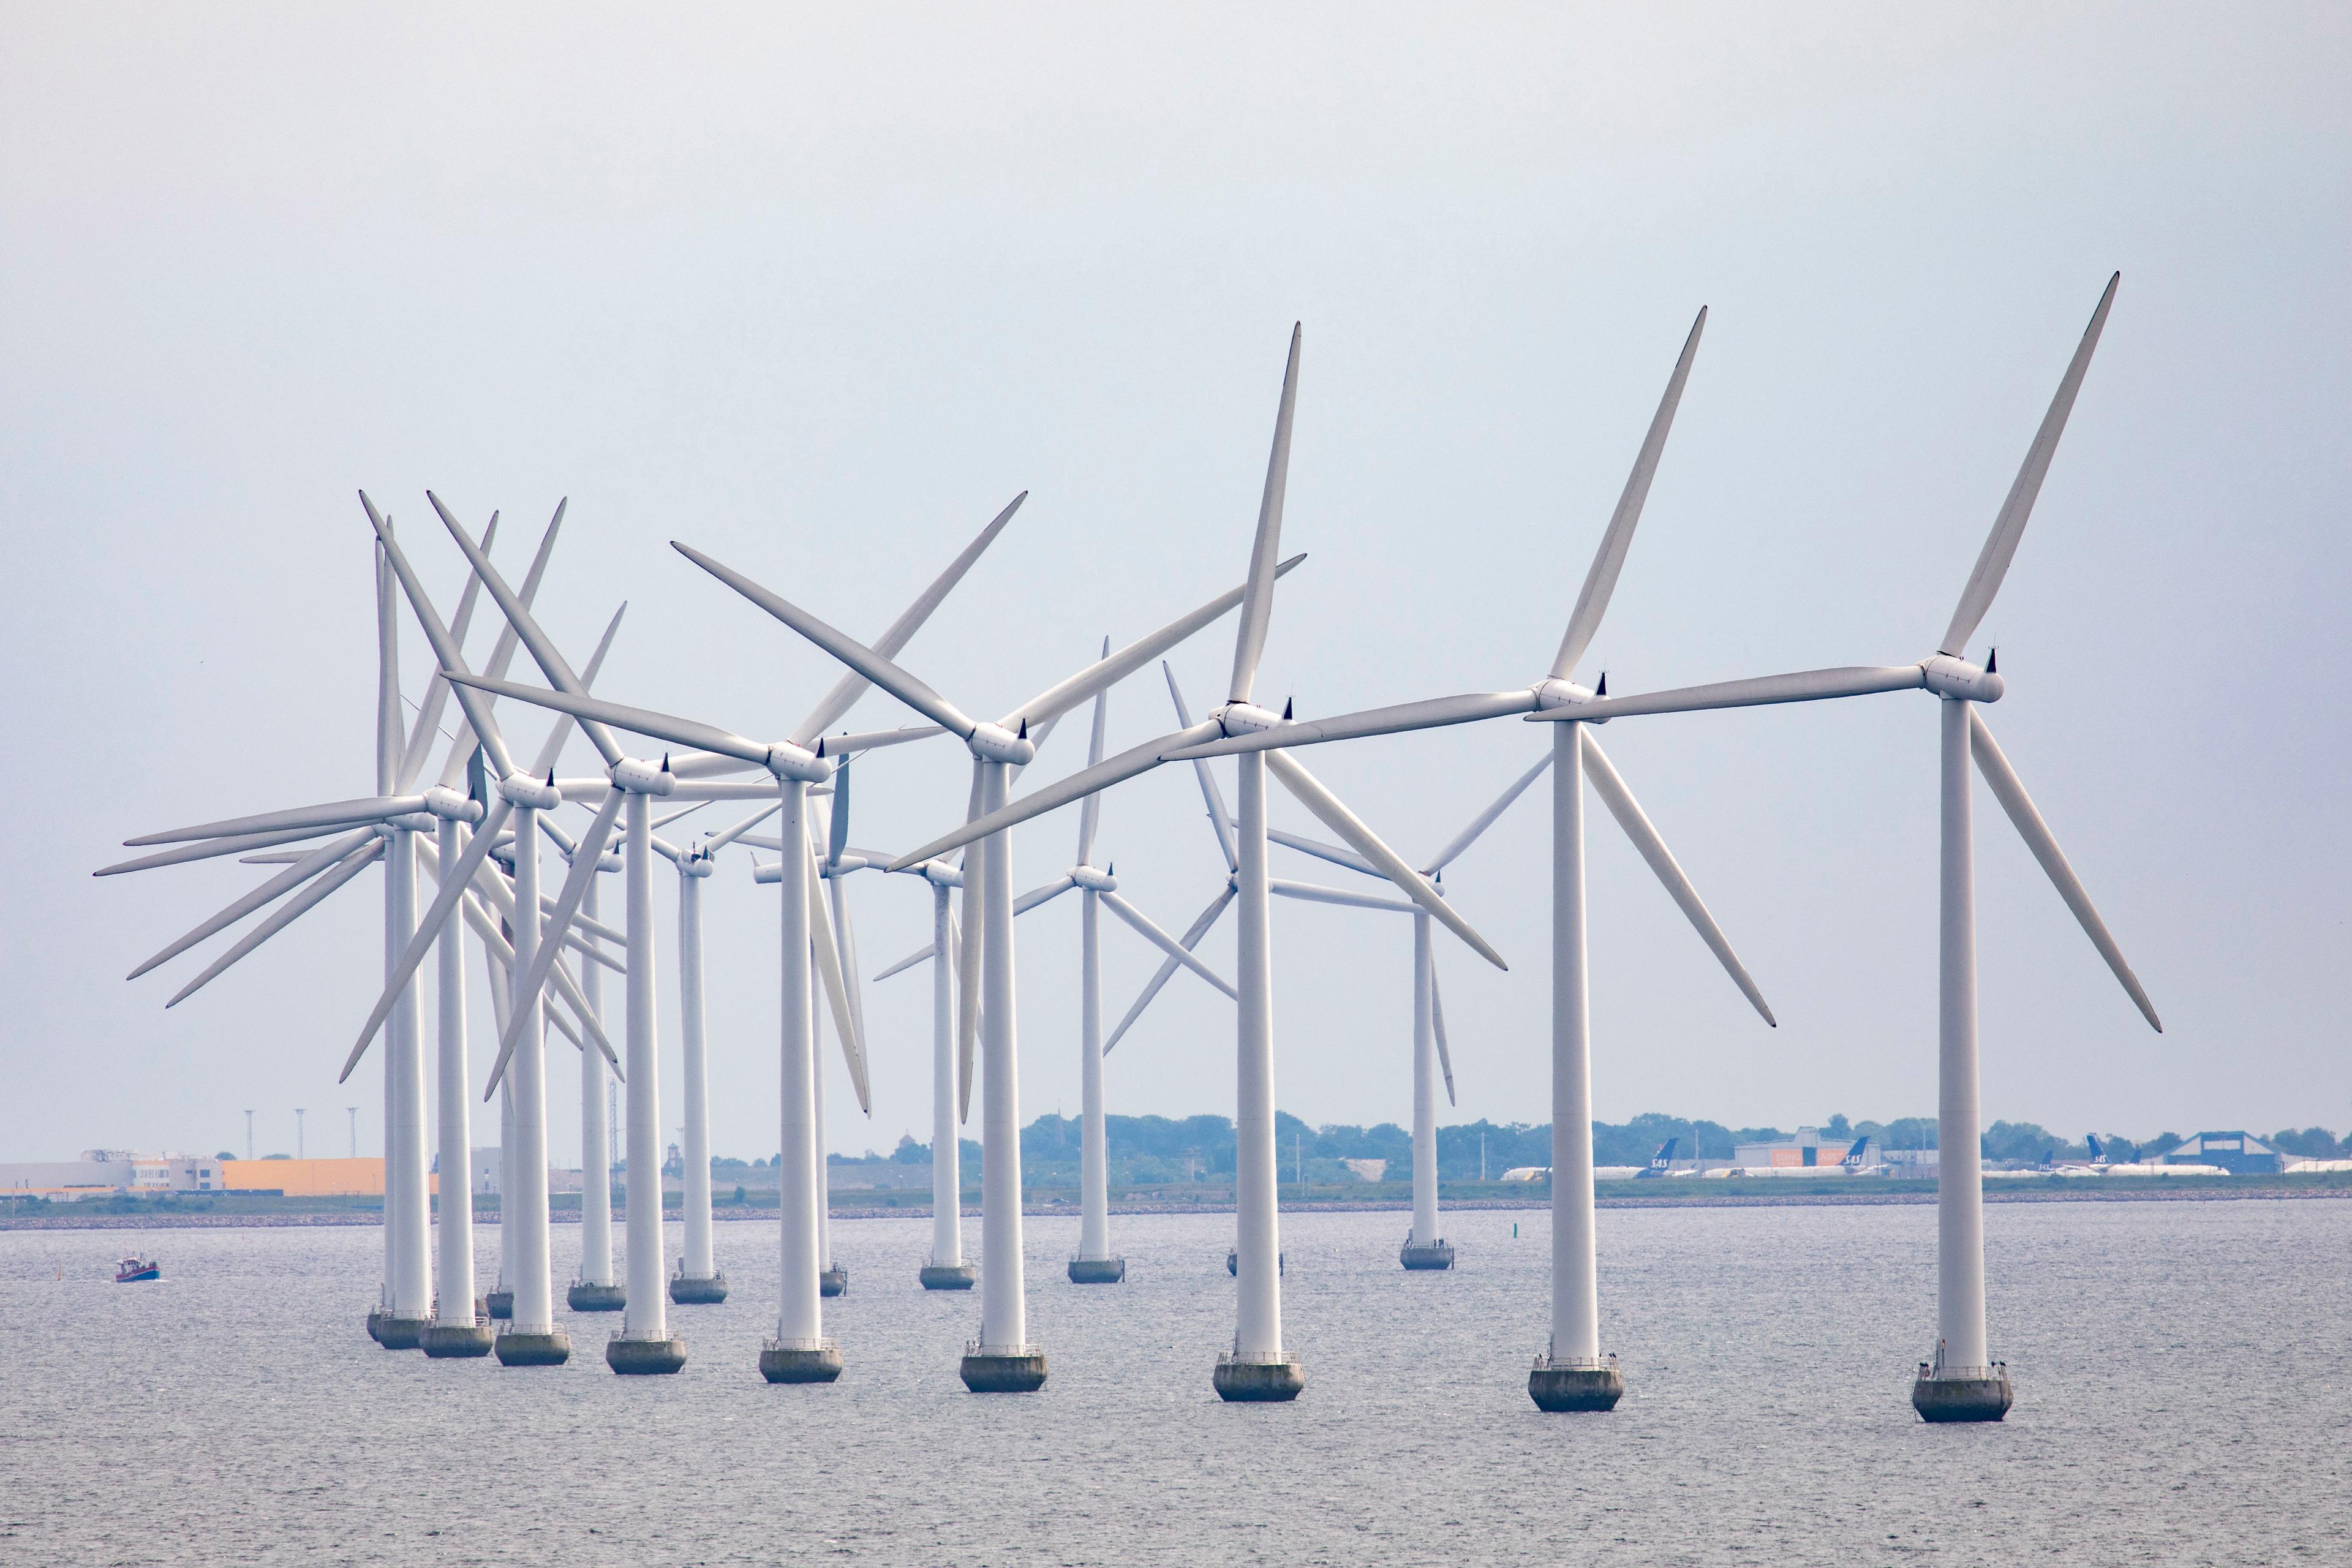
[[501, 1304], [1003, 1369], [1258, 1379], [451, 1341], [648, 1357], [376, 1324], [397, 1333], [1436, 1255], [1962, 1394], [585, 1296], [949, 1276], [707, 1291], [799, 1360], [1233, 1263], [533, 1347], [833, 1281], [1567, 1385], [1097, 1270]]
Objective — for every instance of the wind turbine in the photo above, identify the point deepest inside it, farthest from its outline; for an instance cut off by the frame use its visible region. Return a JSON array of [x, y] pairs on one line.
[[1425, 1246], [945, 1267], [799, 1353], [1962, 1382], [381, 827], [1002, 1359], [1258, 1367], [698, 1281], [1094, 1264]]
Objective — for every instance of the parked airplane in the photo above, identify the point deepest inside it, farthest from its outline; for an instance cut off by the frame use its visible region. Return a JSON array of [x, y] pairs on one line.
[[1661, 1161]]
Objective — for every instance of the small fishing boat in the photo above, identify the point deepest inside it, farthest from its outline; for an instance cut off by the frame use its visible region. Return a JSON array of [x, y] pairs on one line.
[[133, 1270]]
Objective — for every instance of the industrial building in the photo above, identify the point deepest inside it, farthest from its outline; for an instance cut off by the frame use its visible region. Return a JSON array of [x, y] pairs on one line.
[[1805, 1151], [2240, 1153], [104, 1173]]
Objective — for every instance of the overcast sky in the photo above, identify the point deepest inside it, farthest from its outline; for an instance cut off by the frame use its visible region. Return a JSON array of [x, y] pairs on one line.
[[819, 292]]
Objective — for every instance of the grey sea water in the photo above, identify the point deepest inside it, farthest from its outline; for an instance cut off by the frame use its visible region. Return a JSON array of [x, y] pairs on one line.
[[2184, 1373]]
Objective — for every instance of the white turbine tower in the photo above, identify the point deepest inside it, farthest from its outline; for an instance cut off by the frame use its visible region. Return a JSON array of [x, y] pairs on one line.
[[1094, 1263], [1961, 1382], [1257, 1367], [1002, 1359], [800, 1352]]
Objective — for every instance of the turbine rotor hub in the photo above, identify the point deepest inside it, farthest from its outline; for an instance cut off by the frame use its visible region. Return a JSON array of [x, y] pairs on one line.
[[1957, 678], [995, 743], [1245, 719]]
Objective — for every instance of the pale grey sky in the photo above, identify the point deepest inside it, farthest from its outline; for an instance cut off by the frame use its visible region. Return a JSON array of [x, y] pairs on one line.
[[819, 289]]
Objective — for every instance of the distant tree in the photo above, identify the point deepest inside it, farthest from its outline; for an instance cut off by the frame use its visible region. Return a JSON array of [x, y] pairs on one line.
[[224, 1154], [1838, 1127], [2160, 1145], [2311, 1143], [909, 1153]]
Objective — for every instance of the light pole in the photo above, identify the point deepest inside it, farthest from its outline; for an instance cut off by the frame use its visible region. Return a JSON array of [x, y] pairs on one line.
[[248, 1134], [355, 1129]]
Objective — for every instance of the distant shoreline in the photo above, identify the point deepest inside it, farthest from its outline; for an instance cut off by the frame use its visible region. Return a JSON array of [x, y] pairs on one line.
[[1609, 1195]]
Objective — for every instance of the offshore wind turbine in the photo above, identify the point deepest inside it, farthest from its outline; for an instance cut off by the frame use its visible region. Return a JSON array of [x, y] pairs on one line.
[[1094, 1263], [1257, 1367], [799, 1353], [1002, 1359], [384, 827], [1962, 1382]]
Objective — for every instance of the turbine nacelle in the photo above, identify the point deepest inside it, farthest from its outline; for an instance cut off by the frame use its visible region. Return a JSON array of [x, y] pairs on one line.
[[1551, 694], [1245, 719], [1093, 881], [1949, 677], [449, 805], [787, 761], [530, 793], [940, 874], [642, 777], [995, 743]]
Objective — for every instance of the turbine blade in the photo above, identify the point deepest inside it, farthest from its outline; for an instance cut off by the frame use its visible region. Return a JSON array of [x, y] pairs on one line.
[[868, 740], [454, 884], [1437, 712], [436, 690], [1322, 851], [1310, 794], [863, 660], [290, 912], [1601, 579], [1090, 814], [551, 664], [968, 956], [852, 685], [551, 931], [2010, 790], [1125, 765], [636, 721], [827, 953], [1176, 951], [1257, 601], [907, 962], [286, 881], [388, 738], [1611, 787], [1803, 686], [445, 652], [562, 730], [1192, 937], [2008, 527], [1437, 1028], [330, 815], [1043, 895], [713, 844], [837, 817], [1214, 799], [1486, 819], [1114, 667], [1316, 893], [502, 652], [208, 849]]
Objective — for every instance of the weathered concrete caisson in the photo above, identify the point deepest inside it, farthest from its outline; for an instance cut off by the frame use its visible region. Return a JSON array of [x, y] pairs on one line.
[[501, 1304], [1258, 1379], [799, 1360], [528, 1347], [707, 1291], [586, 1296], [833, 1281], [645, 1355], [1097, 1270], [1003, 1369], [399, 1333], [1961, 1393], [1436, 1255], [1565, 1383], [949, 1276], [452, 1341]]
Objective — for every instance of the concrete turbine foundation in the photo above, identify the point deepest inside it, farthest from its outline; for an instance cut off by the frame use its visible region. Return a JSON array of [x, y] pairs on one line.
[[799, 1360], [833, 1281], [587, 1297], [1573, 1382], [1261, 1379], [1097, 1270], [949, 1276], [451, 1341], [1435, 1255], [400, 1333], [1003, 1369], [500, 1304], [1961, 1393], [526, 1347], [706, 1292], [645, 1355]]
